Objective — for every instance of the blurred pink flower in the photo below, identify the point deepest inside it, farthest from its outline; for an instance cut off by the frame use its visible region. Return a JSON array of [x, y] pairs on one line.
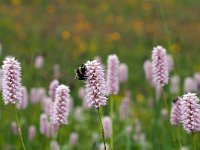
[[175, 116], [39, 61], [43, 124], [123, 72], [148, 71], [61, 106], [14, 127], [24, 99], [174, 86], [106, 126], [11, 81], [170, 62], [56, 69], [31, 132], [52, 89], [197, 79], [124, 108], [190, 85], [160, 67], [34, 96], [73, 138], [164, 113], [112, 75]]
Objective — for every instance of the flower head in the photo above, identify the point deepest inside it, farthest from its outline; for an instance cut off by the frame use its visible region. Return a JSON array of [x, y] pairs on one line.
[[11, 81], [124, 108], [61, 106], [73, 138], [43, 123], [148, 71], [190, 85], [39, 61], [24, 100], [175, 116], [190, 110], [170, 62], [174, 86], [95, 87], [52, 89], [160, 66], [113, 75], [197, 79], [31, 132], [107, 126], [123, 72]]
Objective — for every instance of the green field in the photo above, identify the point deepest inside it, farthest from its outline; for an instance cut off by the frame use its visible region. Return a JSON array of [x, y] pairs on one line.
[[70, 32]]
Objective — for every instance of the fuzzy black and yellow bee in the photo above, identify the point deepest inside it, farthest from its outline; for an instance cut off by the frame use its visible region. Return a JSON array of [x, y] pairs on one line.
[[175, 100], [81, 73]]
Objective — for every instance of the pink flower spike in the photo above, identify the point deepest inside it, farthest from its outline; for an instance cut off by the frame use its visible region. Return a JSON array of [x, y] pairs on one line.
[[190, 85], [190, 112], [43, 123], [170, 62], [123, 72], [107, 126], [14, 127], [160, 67], [174, 84], [11, 81], [112, 75], [175, 116], [148, 71], [61, 106], [95, 86], [73, 138], [24, 100], [31, 132], [52, 89]]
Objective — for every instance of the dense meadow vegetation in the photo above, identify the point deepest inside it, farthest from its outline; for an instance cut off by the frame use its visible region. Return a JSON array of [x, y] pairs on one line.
[[67, 33]]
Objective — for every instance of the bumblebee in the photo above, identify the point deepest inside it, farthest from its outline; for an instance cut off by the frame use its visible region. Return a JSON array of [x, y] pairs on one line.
[[81, 73], [174, 101]]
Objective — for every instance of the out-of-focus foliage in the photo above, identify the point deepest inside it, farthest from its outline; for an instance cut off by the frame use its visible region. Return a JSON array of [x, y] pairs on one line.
[[70, 32]]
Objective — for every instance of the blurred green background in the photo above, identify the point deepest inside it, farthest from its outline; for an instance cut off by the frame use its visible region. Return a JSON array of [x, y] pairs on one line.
[[70, 32]]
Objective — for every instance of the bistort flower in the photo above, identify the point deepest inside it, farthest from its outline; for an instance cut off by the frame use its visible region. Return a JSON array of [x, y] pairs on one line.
[[160, 66], [52, 89], [190, 110], [95, 86], [11, 81], [175, 116], [61, 106], [113, 75]]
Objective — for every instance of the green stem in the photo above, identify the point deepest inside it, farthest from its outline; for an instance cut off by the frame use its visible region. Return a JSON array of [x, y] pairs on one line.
[[166, 106], [179, 139], [194, 143], [60, 141], [111, 116], [102, 130], [19, 128]]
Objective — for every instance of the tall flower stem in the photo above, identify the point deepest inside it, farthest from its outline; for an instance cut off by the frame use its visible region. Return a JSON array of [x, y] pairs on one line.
[[166, 106], [19, 128], [111, 116], [179, 139], [60, 140], [102, 130], [194, 143]]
